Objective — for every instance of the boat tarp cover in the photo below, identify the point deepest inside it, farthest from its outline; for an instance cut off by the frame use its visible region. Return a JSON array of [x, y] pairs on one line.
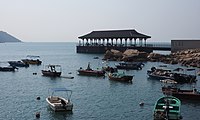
[[59, 89]]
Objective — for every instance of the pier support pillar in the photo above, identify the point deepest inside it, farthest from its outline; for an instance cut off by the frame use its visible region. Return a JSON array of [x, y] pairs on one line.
[[107, 42], [83, 41], [111, 41], [120, 42], [135, 41], [103, 42], [125, 42]]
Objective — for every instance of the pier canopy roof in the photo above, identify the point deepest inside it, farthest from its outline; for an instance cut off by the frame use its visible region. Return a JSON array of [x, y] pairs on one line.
[[114, 34]]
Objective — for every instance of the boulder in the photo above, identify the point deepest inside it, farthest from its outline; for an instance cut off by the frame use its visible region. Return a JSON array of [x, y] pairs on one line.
[[134, 55], [131, 52], [154, 56], [116, 53], [108, 55]]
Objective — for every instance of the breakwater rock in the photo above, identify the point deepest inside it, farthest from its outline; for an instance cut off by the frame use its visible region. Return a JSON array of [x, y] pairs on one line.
[[128, 55], [189, 57]]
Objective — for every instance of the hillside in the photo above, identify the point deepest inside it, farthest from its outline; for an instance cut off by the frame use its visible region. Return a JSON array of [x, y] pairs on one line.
[[5, 37]]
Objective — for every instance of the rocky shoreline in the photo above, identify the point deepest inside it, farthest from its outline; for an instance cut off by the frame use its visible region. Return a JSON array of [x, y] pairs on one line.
[[190, 57]]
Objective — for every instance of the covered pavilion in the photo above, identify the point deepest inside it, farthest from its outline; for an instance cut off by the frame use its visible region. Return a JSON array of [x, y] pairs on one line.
[[113, 38]]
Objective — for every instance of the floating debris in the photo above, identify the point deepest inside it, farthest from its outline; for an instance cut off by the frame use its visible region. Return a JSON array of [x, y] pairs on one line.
[[68, 77], [96, 58], [34, 73], [37, 115], [141, 104], [38, 98]]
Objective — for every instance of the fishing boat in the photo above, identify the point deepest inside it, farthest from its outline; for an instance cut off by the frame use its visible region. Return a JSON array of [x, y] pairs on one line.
[[8, 69], [52, 70], [120, 77], [91, 72], [57, 103], [188, 94], [161, 74], [31, 59], [167, 108], [130, 65], [18, 64]]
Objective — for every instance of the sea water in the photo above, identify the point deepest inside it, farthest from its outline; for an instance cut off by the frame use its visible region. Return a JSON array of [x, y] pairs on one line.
[[94, 98]]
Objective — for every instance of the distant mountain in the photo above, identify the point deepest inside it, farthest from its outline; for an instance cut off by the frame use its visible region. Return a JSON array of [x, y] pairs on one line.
[[5, 37]]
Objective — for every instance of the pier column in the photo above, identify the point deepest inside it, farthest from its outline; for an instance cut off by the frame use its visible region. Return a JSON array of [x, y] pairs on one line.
[[125, 41], [116, 42], [90, 42], [145, 42], [112, 41], [94, 42], [103, 42], [130, 42], [98, 41], [87, 42], [107, 41], [120, 42], [135, 41], [83, 41], [140, 42]]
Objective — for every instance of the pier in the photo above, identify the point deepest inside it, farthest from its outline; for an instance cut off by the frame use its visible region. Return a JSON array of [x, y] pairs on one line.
[[101, 41]]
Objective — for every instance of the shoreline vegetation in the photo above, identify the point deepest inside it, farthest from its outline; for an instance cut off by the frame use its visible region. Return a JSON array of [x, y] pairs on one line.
[[189, 58]]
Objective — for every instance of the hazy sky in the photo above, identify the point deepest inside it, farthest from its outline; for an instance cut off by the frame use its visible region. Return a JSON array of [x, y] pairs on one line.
[[65, 20]]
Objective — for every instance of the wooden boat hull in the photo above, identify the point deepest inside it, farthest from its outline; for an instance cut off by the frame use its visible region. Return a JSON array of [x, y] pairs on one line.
[[7, 69], [130, 66], [33, 62], [181, 94], [121, 79], [18, 64], [51, 74], [57, 105], [159, 77], [91, 73]]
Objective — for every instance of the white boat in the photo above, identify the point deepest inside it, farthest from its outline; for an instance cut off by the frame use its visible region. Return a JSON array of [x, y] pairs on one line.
[[60, 103]]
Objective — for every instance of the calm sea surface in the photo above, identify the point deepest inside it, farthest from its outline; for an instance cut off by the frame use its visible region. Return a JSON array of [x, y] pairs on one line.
[[93, 98]]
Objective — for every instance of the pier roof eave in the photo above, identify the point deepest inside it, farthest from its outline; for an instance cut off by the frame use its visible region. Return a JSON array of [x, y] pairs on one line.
[[114, 34]]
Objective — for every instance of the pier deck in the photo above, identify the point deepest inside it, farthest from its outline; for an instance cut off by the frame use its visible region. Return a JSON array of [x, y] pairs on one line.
[[100, 49]]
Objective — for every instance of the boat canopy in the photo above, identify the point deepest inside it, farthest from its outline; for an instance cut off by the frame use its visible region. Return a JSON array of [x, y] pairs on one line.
[[32, 56], [69, 92], [53, 65], [60, 89]]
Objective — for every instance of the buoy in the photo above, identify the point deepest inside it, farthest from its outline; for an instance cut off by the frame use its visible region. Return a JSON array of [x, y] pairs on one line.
[[70, 73], [38, 98], [141, 104], [34, 73], [37, 115]]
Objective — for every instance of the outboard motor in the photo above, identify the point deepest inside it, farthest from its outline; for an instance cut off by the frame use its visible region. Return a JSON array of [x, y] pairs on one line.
[[153, 69]]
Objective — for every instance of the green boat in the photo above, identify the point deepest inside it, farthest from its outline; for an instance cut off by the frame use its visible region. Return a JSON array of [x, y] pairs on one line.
[[167, 108]]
